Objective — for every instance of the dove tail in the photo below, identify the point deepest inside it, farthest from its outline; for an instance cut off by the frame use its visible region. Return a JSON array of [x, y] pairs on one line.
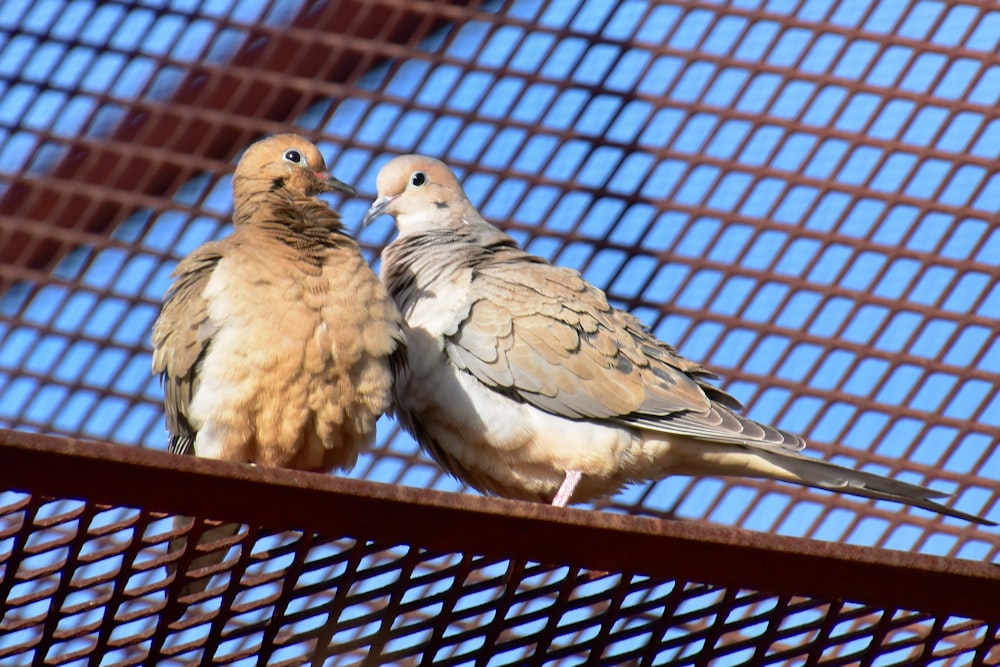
[[212, 545], [824, 475]]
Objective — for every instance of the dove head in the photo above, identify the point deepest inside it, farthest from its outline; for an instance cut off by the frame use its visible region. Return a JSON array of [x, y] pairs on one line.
[[422, 194], [288, 161]]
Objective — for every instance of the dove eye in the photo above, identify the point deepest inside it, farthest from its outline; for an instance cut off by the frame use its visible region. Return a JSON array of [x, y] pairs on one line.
[[418, 178], [293, 155]]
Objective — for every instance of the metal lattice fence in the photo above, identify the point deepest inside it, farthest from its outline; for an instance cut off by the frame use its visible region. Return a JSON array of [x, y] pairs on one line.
[[802, 195]]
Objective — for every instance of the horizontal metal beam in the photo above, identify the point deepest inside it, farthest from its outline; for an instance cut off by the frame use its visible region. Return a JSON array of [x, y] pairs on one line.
[[335, 506]]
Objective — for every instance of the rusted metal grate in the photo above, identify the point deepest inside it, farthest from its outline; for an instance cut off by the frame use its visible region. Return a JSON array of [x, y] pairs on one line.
[[802, 195], [349, 572]]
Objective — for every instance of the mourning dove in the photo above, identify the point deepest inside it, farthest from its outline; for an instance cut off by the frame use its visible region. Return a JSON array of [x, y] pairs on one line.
[[276, 344], [524, 382]]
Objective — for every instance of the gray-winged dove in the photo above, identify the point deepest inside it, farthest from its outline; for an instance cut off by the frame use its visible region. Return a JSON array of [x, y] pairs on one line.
[[524, 382], [276, 344]]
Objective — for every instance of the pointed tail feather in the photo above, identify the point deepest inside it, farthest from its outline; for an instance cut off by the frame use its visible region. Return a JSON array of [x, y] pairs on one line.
[[824, 475], [213, 543]]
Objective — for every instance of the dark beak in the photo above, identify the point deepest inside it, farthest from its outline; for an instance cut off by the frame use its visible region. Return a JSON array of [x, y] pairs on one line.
[[377, 208], [334, 184]]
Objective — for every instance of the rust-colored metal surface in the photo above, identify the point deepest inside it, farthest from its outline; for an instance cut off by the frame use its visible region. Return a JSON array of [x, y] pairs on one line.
[[804, 196], [353, 569]]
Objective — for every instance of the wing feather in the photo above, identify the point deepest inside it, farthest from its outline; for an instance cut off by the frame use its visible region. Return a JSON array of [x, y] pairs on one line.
[[545, 336], [181, 338]]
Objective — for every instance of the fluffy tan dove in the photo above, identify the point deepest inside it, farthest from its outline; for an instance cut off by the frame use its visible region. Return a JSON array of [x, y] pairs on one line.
[[524, 382], [276, 344]]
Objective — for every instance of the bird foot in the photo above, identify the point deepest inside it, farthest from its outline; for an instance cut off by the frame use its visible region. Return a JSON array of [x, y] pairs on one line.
[[567, 487]]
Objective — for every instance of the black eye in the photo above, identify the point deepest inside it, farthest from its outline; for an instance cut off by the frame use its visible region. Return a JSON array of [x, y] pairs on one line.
[[293, 155], [418, 178]]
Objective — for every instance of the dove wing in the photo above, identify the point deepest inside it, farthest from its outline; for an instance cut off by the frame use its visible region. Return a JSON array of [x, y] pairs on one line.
[[181, 338], [543, 335]]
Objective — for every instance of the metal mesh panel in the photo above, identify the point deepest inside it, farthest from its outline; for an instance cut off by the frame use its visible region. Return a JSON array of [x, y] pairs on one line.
[[348, 572], [804, 196]]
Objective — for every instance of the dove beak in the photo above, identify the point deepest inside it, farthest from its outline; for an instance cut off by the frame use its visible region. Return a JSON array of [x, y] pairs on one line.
[[377, 208], [334, 184]]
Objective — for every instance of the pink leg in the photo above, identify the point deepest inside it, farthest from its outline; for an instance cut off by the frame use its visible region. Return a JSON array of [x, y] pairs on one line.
[[566, 489]]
